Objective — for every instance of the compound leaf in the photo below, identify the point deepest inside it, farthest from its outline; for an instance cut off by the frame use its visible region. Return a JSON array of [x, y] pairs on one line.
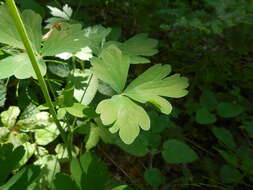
[[20, 66], [153, 83], [68, 39], [139, 46], [9, 34], [112, 67], [126, 117], [96, 36]]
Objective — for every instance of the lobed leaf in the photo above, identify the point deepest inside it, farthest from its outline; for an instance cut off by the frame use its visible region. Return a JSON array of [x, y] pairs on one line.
[[112, 67], [126, 117], [20, 66], [139, 47], [153, 84], [68, 39], [9, 34]]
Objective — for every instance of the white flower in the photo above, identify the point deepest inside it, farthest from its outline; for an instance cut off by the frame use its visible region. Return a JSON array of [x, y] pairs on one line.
[[66, 13], [84, 54]]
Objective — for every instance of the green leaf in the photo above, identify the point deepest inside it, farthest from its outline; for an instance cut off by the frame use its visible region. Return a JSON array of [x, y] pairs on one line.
[[62, 153], [17, 139], [46, 135], [139, 46], [10, 116], [204, 117], [20, 66], [105, 89], [225, 137], [24, 179], [60, 70], [138, 148], [126, 117], [154, 177], [158, 122], [3, 93], [33, 23], [208, 99], [32, 5], [85, 85], [50, 166], [228, 110], [96, 133], [177, 152], [230, 174], [9, 34], [153, 83], [9, 159], [69, 39], [4, 133], [64, 182], [76, 110], [29, 151], [230, 158], [112, 67], [96, 174], [96, 36], [36, 121], [248, 127]]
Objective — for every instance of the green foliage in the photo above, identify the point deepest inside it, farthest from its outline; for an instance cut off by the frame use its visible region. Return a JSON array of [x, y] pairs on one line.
[[9, 159], [88, 172], [104, 95], [176, 152], [154, 177]]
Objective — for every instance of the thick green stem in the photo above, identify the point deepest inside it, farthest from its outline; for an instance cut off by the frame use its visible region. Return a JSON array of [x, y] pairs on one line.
[[23, 34]]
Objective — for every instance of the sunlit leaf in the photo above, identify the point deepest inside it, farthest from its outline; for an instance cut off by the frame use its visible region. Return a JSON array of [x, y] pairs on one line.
[[96, 36], [20, 66], [153, 84], [9, 34], [139, 47], [126, 116], [47, 134], [85, 85], [65, 13], [10, 116], [70, 39], [112, 67]]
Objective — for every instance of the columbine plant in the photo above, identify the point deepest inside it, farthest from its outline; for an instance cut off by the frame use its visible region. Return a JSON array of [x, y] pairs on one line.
[[107, 74]]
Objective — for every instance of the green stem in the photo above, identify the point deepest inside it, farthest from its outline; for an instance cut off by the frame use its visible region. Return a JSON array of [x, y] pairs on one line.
[[23, 34]]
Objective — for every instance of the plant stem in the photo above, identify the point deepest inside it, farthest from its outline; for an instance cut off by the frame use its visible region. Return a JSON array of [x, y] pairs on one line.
[[23, 34]]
